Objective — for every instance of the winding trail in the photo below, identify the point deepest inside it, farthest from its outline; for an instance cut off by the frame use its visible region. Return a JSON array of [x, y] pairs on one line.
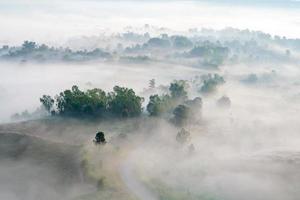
[[133, 184]]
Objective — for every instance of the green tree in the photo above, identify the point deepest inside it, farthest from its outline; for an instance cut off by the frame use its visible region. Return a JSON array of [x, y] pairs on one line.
[[48, 102], [96, 102], [158, 104], [100, 138], [178, 90], [71, 102], [75, 102], [210, 83], [158, 43], [28, 46], [165, 103], [123, 102], [181, 115], [182, 42]]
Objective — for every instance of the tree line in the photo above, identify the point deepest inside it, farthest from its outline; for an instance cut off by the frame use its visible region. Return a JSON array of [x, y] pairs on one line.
[[123, 102]]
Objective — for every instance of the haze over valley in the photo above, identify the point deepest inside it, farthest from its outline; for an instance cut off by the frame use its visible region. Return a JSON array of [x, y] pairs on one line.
[[149, 100]]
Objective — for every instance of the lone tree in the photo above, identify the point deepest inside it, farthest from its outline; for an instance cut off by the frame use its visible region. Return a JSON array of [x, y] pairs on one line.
[[100, 138], [224, 102]]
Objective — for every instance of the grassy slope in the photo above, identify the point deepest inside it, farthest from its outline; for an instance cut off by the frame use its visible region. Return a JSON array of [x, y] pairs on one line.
[[100, 163], [59, 157], [50, 144]]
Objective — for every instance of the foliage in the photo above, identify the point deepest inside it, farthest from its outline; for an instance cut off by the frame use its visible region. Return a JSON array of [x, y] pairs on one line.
[[210, 83], [195, 103], [158, 104], [100, 138], [48, 102], [205, 48], [195, 106], [122, 102], [28, 46], [181, 114], [161, 104], [75, 102], [176, 103], [34, 52], [182, 42], [212, 54], [158, 43], [178, 90], [188, 111]]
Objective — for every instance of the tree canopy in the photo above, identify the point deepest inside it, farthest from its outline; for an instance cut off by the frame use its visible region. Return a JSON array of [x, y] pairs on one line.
[[158, 104], [161, 104], [211, 82], [175, 104], [178, 89], [122, 102], [100, 138]]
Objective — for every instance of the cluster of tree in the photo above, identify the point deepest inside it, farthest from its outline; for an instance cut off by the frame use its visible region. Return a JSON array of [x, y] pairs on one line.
[[135, 59], [159, 45], [232, 34], [211, 54], [159, 105], [122, 102], [212, 48], [34, 52], [175, 103], [188, 111], [165, 41], [203, 53], [134, 37], [210, 83], [263, 78], [204, 48], [181, 42]]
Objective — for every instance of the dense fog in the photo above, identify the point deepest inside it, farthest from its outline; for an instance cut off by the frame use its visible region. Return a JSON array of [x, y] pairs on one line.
[[117, 100]]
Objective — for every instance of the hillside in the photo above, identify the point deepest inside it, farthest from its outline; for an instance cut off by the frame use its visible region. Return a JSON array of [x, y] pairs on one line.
[[32, 167]]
